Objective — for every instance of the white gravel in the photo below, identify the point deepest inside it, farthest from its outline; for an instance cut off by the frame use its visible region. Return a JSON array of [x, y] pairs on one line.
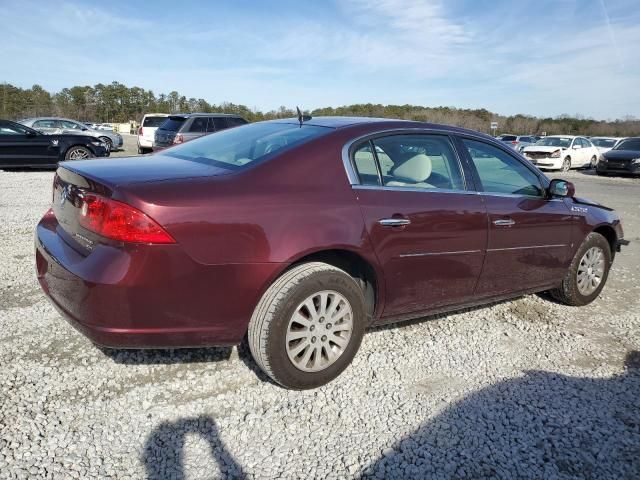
[[521, 389]]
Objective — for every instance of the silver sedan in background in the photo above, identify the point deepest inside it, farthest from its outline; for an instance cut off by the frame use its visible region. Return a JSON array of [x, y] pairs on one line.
[[55, 126]]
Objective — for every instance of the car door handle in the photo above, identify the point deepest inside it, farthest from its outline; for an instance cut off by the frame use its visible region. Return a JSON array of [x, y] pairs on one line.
[[394, 222], [506, 222]]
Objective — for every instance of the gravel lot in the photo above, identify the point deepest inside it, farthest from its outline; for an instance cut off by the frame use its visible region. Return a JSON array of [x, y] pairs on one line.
[[521, 389]]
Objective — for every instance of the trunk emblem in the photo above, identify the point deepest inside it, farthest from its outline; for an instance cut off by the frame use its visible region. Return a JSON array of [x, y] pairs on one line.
[[64, 195]]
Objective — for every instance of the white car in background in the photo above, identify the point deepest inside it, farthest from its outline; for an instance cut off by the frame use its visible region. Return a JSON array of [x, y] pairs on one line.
[[562, 152], [604, 144], [147, 130]]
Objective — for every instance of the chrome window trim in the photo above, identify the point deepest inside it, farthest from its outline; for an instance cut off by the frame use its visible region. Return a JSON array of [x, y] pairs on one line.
[[412, 189], [352, 175], [428, 254]]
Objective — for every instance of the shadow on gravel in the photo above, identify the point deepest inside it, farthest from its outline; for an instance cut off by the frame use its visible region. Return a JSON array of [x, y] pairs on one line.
[[168, 357], [163, 455], [542, 425]]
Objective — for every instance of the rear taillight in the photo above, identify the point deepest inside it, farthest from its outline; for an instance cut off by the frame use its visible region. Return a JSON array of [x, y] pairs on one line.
[[515, 142], [178, 138], [119, 221], [140, 131]]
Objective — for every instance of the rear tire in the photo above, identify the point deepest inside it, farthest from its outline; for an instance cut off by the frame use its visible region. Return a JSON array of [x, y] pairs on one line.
[[593, 163], [78, 153], [584, 280], [297, 345]]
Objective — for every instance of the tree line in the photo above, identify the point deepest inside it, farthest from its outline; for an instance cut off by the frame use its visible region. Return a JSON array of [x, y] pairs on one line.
[[116, 102]]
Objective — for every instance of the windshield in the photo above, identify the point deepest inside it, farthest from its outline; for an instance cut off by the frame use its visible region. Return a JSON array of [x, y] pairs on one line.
[[554, 142], [153, 121], [237, 147], [631, 144], [603, 142]]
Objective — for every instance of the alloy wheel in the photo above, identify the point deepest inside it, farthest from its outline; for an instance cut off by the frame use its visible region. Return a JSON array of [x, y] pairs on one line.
[[566, 165], [79, 154], [590, 271], [319, 331]]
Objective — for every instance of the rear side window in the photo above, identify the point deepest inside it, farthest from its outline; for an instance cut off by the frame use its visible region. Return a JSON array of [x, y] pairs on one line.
[[365, 164], [173, 124], [153, 121], [508, 138], [235, 121], [44, 124], [418, 161], [217, 123], [500, 172], [199, 124]]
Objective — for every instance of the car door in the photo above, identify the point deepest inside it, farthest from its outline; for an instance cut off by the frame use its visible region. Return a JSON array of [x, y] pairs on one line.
[[529, 242], [427, 225], [21, 146]]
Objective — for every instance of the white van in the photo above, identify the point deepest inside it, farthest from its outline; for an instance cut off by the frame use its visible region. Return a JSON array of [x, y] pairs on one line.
[[146, 132]]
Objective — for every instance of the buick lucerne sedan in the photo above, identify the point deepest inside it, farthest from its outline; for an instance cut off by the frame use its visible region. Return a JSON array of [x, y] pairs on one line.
[[300, 234]]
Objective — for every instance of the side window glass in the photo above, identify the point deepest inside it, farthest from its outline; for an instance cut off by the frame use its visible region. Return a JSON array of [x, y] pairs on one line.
[[419, 161], [365, 164], [44, 124], [499, 172], [235, 121], [69, 125], [199, 124], [217, 123]]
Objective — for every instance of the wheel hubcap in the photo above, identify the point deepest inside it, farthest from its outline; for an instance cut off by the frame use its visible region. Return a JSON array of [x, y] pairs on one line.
[[78, 154], [308, 351], [590, 271]]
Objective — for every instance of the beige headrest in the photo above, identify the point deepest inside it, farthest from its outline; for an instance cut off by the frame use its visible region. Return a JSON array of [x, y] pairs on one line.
[[416, 169]]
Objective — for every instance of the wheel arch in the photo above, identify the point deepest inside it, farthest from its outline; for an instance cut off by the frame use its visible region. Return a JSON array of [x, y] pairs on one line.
[[608, 232]]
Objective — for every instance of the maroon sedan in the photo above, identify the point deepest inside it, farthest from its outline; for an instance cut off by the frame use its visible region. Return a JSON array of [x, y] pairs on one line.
[[301, 235]]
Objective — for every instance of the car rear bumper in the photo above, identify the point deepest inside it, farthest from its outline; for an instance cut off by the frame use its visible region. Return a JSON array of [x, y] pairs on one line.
[[144, 142], [147, 296]]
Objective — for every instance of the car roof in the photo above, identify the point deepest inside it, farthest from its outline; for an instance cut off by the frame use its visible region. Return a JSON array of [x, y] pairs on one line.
[[380, 123], [156, 115], [199, 114]]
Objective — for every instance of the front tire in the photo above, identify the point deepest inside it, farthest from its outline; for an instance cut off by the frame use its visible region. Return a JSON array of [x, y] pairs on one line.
[[78, 153], [566, 164], [593, 163], [308, 326], [587, 274], [108, 141]]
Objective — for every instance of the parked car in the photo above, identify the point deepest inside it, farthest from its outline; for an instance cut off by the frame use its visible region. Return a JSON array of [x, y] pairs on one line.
[[90, 125], [623, 158], [517, 142], [604, 144], [105, 126], [54, 125], [562, 152], [302, 234], [147, 130], [182, 128], [21, 146]]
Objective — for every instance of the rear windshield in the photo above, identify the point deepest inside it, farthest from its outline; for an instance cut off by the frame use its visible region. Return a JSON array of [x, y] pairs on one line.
[[508, 138], [153, 121], [235, 148], [172, 124], [631, 144]]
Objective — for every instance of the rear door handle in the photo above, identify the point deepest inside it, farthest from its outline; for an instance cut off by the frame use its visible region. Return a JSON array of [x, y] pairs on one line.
[[507, 222], [394, 222]]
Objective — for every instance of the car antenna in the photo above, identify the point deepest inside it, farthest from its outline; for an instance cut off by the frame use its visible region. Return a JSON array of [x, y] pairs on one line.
[[301, 117]]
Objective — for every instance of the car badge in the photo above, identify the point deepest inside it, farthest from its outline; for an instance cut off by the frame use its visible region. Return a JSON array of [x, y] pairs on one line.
[[64, 195], [54, 143]]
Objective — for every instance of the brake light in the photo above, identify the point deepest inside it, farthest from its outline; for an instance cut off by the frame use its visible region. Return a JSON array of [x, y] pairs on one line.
[[119, 221], [140, 131], [178, 139], [515, 142]]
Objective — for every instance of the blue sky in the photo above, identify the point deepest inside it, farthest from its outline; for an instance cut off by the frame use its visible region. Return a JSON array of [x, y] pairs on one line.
[[540, 57]]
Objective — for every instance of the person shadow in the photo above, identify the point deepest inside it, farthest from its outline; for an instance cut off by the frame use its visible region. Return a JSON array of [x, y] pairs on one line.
[[542, 425], [163, 454]]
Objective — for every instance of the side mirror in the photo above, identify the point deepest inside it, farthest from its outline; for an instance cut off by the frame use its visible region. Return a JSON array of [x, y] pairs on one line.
[[561, 188], [84, 129]]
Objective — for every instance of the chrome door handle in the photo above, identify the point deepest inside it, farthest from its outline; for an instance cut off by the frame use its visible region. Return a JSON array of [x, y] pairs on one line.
[[394, 222], [504, 223]]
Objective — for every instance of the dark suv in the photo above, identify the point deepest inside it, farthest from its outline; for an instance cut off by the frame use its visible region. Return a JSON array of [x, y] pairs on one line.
[[181, 128]]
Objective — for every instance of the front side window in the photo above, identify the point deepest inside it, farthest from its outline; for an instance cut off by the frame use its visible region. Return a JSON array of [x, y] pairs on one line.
[[418, 161], [70, 125], [500, 172], [234, 148], [44, 124]]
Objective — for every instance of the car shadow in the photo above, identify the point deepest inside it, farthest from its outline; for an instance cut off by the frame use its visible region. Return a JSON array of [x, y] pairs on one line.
[[163, 454], [167, 356], [541, 425]]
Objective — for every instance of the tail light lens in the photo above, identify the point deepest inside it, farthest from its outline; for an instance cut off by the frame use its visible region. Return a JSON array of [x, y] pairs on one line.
[[515, 142], [140, 131], [119, 221], [178, 139]]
